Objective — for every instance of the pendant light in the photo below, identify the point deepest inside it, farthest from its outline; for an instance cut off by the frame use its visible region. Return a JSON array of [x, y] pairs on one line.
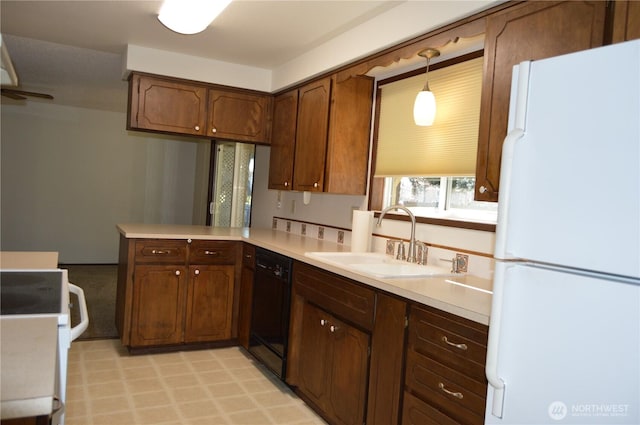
[[424, 107], [190, 16]]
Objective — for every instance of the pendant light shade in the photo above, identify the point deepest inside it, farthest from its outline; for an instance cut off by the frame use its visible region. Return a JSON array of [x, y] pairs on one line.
[[190, 16], [424, 107]]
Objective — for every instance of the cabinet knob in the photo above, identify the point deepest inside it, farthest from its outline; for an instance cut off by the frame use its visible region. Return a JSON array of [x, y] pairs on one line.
[[286, 184], [177, 272], [482, 189], [315, 184], [333, 328], [196, 272], [196, 128], [189, 241], [214, 130], [323, 322]]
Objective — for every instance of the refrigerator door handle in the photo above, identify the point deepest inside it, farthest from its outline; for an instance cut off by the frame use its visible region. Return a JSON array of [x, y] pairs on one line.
[[491, 367], [508, 149], [516, 131]]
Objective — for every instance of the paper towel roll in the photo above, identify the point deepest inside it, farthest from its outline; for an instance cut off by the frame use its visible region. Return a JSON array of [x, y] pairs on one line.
[[361, 227]]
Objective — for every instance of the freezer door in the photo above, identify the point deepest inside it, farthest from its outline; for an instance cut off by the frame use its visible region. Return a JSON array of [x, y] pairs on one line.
[[565, 348], [570, 179]]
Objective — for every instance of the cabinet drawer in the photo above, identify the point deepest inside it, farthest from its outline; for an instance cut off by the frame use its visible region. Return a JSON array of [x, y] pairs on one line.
[[448, 390], [212, 252], [161, 251], [417, 412], [336, 294], [453, 341]]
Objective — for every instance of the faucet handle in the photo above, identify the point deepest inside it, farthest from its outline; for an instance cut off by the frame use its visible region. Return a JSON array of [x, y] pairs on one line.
[[421, 253], [401, 253]]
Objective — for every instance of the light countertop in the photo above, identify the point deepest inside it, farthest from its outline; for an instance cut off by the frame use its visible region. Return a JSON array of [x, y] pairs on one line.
[[463, 295]]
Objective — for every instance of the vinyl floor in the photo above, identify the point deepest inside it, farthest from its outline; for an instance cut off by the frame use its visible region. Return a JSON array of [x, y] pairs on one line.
[[108, 386]]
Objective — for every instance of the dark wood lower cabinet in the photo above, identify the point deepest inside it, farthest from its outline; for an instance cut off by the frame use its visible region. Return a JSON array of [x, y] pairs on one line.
[[329, 343], [158, 305], [417, 412], [176, 292], [334, 365], [444, 371], [209, 303]]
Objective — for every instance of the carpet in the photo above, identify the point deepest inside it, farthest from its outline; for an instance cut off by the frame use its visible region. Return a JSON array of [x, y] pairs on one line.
[[99, 285]]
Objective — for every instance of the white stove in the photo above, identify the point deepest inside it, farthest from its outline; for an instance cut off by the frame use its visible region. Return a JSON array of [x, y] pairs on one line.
[[36, 337]]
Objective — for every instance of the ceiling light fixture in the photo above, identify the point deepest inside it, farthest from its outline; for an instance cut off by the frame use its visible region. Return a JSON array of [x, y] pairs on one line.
[[190, 16], [424, 107]]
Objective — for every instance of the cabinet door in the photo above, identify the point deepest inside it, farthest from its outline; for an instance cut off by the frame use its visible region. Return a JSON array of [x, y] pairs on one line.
[[314, 351], [167, 106], [311, 136], [529, 31], [158, 300], [209, 303], [239, 116], [626, 20], [349, 129], [283, 140], [348, 373]]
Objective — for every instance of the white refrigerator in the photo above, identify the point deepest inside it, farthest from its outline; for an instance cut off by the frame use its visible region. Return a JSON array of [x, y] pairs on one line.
[[564, 334]]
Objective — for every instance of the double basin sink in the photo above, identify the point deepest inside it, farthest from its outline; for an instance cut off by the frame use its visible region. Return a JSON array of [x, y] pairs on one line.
[[378, 265]]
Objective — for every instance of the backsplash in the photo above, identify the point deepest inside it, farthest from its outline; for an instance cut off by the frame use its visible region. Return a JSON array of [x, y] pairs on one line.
[[478, 265]]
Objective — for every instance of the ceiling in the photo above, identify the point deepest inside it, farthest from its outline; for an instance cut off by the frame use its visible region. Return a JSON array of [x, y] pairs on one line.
[[73, 49]]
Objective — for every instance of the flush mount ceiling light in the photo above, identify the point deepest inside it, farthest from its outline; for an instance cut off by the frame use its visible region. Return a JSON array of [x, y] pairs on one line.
[[424, 107], [190, 16]]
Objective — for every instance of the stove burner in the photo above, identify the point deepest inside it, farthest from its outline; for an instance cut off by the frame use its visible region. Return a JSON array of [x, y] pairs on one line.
[[30, 292]]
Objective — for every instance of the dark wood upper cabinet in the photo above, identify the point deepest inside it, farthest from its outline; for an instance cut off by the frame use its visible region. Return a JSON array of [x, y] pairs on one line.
[[626, 20], [347, 159], [311, 135], [283, 140], [166, 105], [527, 31], [239, 116], [320, 137], [170, 105]]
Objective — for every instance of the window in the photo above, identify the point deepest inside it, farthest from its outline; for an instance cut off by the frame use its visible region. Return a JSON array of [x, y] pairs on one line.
[[439, 197], [431, 170]]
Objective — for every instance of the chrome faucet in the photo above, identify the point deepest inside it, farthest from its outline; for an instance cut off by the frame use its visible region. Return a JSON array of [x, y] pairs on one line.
[[411, 258]]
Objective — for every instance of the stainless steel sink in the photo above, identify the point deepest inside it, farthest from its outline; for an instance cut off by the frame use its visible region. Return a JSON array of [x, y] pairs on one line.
[[378, 265]]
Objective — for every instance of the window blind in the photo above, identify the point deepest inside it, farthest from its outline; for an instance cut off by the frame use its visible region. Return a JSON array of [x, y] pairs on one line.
[[448, 147]]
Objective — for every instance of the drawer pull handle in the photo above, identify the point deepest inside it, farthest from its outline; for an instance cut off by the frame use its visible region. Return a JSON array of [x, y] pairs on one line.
[[248, 256], [211, 253], [455, 394], [159, 252], [460, 346]]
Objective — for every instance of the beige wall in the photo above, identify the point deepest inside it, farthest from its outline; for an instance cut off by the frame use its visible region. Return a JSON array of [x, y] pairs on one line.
[[68, 175]]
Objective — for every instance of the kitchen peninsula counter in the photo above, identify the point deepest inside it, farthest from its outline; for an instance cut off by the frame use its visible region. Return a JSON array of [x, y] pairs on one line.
[[466, 296]]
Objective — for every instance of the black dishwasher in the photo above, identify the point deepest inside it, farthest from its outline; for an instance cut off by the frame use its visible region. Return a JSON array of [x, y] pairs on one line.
[[270, 310]]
